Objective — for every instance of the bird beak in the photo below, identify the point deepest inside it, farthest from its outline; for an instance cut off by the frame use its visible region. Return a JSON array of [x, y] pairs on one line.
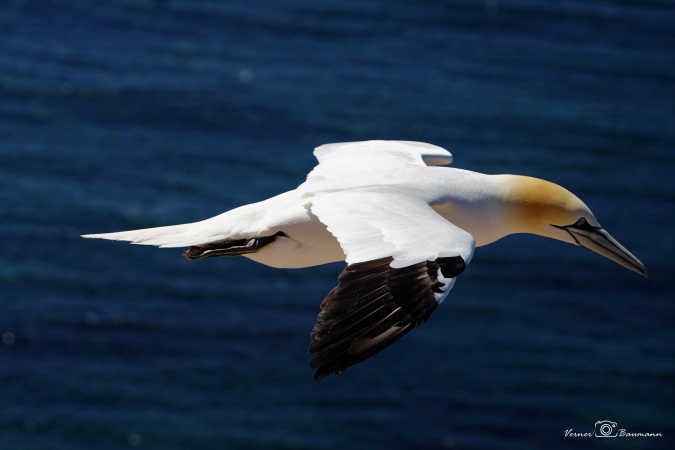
[[597, 239]]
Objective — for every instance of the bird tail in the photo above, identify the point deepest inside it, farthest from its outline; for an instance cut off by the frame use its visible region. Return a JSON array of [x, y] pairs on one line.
[[203, 245], [239, 223], [159, 236]]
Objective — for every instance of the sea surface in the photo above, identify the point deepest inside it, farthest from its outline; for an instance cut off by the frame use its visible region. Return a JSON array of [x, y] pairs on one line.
[[136, 113]]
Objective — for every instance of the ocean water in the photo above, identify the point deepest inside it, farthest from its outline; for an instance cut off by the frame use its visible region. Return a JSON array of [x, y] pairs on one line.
[[142, 113]]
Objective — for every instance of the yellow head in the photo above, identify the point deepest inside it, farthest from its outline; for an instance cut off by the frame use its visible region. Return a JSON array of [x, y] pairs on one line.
[[540, 207]]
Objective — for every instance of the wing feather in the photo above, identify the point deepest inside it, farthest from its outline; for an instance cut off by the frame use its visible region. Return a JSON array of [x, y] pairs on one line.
[[402, 261], [371, 151], [359, 319], [371, 224]]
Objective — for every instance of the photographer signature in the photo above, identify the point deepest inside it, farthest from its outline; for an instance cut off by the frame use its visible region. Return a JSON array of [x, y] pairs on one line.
[[608, 429]]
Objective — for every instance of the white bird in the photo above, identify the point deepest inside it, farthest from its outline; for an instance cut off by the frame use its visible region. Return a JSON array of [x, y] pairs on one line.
[[405, 227]]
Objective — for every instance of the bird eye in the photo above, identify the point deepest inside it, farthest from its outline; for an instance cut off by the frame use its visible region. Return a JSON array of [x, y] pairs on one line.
[[583, 224]]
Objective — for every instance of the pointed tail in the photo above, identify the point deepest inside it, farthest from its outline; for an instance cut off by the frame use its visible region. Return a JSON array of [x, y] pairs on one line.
[[244, 222], [169, 236]]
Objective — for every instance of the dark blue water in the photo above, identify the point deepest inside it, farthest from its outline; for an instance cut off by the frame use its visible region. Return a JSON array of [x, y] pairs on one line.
[[142, 113]]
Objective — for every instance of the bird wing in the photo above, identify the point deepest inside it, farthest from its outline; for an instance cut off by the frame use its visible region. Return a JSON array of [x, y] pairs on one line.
[[350, 165], [402, 261], [340, 165], [377, 151], [354, 163]]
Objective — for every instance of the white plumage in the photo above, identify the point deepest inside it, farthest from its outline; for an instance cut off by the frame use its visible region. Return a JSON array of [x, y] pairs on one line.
[[359, 190], [405, 228]]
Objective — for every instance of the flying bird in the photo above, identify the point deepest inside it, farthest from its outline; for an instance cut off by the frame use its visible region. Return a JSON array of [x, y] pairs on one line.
[[406, 226]]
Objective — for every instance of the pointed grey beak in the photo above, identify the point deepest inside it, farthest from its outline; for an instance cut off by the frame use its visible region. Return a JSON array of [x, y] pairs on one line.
[[600, 241]]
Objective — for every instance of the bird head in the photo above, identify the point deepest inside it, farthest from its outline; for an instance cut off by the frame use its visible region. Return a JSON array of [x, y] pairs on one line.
[[547, 209]]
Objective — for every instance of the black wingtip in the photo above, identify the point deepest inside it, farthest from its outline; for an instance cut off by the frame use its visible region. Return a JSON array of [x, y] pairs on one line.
[[373, 306]]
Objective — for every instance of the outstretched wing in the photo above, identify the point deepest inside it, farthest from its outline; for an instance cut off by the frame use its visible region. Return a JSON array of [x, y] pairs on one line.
[[354, 164], [379, 151], [402, 261]]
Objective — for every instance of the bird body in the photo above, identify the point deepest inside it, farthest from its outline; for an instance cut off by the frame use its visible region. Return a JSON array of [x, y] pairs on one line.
[[306, 240], [405, 226]]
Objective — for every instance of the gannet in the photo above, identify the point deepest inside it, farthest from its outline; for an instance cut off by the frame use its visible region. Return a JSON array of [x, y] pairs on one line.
[[406, 226]]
